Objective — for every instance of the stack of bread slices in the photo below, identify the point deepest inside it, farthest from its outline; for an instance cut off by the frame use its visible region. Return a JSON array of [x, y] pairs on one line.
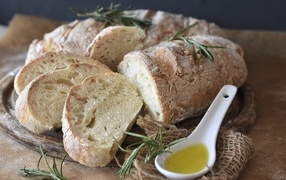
[[92, 81]]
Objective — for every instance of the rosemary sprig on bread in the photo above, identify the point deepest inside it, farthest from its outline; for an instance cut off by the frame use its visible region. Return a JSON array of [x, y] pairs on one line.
[[151, 146], [197, 47], [112, 15], [53, 172]]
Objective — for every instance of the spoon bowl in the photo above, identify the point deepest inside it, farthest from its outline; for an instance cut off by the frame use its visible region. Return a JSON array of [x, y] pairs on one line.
[[205, 133]]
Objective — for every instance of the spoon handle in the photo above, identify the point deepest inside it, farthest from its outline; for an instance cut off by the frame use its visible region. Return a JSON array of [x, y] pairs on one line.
[[207, 129]]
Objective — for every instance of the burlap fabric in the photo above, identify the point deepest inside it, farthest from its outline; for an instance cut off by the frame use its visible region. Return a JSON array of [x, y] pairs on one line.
[[234, 148]]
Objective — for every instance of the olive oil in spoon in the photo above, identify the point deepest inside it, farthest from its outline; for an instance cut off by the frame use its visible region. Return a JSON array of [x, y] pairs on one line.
[[196, 155]]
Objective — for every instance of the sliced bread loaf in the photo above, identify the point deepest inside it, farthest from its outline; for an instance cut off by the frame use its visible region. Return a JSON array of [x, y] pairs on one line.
[[112, 43], [176, 85], [96, 112], [47, 63], [39, 106]]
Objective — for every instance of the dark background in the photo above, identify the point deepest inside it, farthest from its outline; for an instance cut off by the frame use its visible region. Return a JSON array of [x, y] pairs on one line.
[[238, 14]]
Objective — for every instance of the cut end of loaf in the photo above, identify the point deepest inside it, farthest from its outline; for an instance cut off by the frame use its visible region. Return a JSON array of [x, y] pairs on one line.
[[134, 69], [97, 112]]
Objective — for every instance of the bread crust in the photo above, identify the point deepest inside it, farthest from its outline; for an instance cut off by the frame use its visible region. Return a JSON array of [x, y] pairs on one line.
[[165, 24], [185, 86]]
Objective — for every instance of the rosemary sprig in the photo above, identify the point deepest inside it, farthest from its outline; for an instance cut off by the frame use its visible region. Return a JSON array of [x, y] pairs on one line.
[[189, 42], [152, 146], [112, 15], [52, 174]]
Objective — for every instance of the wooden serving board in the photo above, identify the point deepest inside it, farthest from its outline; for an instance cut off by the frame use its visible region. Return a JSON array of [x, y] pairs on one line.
[[51, 142]]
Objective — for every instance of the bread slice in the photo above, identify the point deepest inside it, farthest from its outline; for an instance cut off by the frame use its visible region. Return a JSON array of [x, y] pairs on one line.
[[112, 43], [176, 85], [47, 63], [96, 112], [39, 107]]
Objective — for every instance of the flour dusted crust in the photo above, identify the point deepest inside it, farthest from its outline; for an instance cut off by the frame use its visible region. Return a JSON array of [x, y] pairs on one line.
[[165, 24], [39, 106], [174, 84], [47, 63], [73, 37], [97, 111]]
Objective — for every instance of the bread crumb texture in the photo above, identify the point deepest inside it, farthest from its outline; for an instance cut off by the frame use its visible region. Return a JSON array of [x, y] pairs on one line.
[[112, 43], [97, 112]]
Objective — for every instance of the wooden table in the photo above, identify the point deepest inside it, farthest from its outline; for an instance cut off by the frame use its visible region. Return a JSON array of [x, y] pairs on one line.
[[265, 55]]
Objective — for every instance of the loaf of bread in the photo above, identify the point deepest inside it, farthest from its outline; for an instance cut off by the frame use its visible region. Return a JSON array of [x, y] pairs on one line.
[[80, 36], [176, 85], [47, 63], [73, 37], [112, 43], [39, 106], [96, 113]]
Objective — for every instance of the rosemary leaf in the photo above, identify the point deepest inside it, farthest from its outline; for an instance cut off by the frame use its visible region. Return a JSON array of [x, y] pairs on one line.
[[126, 167], [182, 31], [52, 174], [152, 146], [202, 49], [112, 15]]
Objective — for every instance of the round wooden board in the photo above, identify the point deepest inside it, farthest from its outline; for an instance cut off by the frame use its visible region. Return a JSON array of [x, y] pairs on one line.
[[50, 142], [240, 116]]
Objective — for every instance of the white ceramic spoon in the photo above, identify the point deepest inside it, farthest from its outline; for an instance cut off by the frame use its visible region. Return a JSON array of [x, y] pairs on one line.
[[206, 133]]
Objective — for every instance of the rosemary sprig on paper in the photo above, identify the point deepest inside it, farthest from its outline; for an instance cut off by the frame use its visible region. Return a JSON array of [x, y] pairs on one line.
[[52, 174], [152, 146], [189, 42], [112, 15]]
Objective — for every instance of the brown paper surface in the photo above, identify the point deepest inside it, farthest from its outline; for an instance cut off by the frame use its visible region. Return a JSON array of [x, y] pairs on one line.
[[266, 61], [23, 29]]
